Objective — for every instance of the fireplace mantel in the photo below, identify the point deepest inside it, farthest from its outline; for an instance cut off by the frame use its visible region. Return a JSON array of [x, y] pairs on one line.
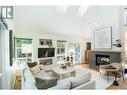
[[107, 51]]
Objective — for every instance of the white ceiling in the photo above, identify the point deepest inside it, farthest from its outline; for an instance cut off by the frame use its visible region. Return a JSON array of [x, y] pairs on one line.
[[51, 20]]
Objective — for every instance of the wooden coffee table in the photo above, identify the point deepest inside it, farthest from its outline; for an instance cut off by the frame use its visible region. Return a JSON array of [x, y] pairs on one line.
[[61, 72], [109, 71]]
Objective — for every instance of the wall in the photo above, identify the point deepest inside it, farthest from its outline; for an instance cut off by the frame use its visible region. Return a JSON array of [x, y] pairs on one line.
[[123, 29], [36, 37], [95, 17], [102, 16], [0, 55], [5, 60], [5, 68]]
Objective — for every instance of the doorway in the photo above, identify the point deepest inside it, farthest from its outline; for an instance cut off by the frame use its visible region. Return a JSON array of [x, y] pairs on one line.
[[74, 51]]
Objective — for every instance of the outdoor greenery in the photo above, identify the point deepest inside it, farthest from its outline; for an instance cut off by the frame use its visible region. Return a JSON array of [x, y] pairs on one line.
[[18, 45], [20, 41]]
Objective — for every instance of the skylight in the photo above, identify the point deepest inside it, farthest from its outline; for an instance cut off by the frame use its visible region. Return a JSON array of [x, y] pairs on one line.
[[62, 9], [82, 10]]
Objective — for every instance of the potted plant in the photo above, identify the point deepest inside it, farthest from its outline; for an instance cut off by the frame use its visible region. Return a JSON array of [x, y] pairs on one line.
[[117, 43]]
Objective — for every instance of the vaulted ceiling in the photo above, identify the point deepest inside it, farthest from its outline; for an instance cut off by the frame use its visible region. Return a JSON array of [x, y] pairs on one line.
[[61, 20]]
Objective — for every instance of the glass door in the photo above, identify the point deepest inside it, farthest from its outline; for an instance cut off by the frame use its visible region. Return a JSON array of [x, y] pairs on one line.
[[77, 53], [74, 52]]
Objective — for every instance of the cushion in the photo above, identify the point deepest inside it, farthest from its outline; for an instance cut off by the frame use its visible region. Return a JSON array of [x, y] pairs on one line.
[[43, 75], [62, 84], [35, 70], [42, 66], [45, 67], [76, 81], [32, 64], [45, 84]]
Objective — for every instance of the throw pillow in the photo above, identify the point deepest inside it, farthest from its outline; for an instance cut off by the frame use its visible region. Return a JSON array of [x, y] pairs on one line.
[[42, 66], [45, 84], [32, 64], [64, 84], [35, 70]]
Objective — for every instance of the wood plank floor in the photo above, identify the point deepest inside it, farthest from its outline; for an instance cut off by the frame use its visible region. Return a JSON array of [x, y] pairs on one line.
[[122, 85]]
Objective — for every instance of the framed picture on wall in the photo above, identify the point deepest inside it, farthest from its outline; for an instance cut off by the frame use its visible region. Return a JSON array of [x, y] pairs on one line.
[[103, 38], [45, 42]]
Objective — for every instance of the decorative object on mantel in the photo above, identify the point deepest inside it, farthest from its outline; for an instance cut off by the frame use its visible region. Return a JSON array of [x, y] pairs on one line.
[[118, 43], [103, 38], [45, 42]]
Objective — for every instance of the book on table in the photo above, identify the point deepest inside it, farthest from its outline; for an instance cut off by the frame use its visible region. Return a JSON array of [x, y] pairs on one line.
[[110, 67]]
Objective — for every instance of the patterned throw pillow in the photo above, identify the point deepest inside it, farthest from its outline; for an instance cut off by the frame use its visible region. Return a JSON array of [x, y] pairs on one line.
[[35, 70], [32, 64]]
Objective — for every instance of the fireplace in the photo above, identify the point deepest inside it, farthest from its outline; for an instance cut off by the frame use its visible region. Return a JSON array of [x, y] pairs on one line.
[[96, 56], [100, 58]]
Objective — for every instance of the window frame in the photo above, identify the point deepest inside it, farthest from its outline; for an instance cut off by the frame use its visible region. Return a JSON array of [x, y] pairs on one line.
[[16, 47], [61, 55]]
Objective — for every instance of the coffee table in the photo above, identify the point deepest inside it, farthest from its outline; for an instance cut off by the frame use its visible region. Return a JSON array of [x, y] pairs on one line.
[[118, 69], [62, 72]]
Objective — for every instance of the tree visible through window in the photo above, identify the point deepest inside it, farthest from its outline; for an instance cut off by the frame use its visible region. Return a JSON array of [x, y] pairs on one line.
[[21, 57]]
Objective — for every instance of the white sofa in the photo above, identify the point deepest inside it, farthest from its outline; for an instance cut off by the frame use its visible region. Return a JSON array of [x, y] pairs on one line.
[[81, 81]]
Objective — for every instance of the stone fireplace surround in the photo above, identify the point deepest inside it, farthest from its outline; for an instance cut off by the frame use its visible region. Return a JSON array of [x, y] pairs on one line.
[[107, 55]]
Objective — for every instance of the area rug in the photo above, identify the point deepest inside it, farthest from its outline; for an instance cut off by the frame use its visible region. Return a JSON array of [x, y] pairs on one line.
[[101, 81]]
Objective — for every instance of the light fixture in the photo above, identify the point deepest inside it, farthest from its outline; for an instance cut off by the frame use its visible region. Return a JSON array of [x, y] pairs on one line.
[[26, 48]]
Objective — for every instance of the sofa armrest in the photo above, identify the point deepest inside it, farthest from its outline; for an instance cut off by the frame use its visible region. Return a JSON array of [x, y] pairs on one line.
[[88, 85]]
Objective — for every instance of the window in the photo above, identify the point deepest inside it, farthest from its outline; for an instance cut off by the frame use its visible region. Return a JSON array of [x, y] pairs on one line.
[[21, 57], [61, 49]]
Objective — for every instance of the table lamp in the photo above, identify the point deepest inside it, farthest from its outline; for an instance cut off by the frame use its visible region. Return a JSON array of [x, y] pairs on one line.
[[26, 48]]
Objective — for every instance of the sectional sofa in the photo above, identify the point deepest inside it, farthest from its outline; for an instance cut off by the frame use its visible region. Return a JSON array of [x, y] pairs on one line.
[[80, 82]]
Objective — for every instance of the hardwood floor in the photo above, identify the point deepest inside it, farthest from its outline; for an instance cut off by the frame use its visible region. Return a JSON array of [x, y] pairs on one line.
[[17, 84], [85, 66], [122, 85]]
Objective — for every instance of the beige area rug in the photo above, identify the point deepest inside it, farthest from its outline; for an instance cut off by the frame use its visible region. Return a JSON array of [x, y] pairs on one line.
[[101, 81]]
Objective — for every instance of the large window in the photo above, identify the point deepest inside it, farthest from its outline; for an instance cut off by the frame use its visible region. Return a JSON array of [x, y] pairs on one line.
[[21, 57], [61, 49]]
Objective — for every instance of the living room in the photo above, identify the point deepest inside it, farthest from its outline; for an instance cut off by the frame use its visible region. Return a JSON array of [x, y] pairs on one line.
[[64, 42]]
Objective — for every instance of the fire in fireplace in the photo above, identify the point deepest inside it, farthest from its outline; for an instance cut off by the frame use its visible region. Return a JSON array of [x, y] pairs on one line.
[[100, 58]]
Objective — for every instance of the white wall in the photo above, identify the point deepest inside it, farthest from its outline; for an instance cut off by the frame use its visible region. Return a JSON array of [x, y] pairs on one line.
[[102, 16], [36, 37], [5, 68], [0, 55], [123, 29]]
